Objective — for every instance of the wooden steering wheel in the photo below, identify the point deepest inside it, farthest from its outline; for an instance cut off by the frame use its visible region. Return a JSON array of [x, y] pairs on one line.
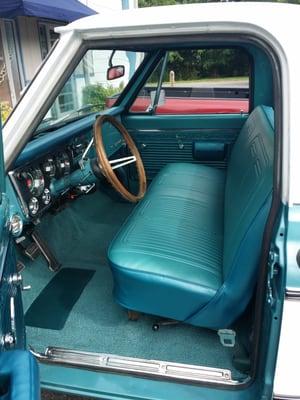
[[108, 166]]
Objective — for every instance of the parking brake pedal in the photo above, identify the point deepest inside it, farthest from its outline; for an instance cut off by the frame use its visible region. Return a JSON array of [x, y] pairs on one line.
[[53, 264]]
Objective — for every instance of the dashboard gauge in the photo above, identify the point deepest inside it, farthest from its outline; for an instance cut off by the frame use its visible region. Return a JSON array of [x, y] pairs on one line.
[[49, 167], [46, 196], [33, 206], [34, 181], [63, 164]]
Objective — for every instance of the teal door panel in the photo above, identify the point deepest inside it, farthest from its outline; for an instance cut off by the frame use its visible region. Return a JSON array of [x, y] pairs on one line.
[[19, 377], [163, 139]]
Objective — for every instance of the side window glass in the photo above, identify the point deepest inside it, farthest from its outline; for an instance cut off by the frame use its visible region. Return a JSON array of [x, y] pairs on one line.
[[89, 89], [145, 99], [200, 81]]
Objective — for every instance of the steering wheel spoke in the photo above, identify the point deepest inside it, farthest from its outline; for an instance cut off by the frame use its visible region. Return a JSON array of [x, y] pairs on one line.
[[121, 162]]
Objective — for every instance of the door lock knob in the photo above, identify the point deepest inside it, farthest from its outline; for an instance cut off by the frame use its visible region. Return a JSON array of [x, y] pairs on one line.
[[16, 279]]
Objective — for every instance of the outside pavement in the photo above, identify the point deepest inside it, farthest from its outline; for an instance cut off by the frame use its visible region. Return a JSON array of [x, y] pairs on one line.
[[48, 395]]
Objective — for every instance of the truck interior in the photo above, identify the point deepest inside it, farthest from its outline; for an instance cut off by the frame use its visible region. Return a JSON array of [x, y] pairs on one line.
[[160, 273]]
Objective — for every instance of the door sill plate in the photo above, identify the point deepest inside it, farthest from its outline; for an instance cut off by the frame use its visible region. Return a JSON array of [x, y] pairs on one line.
[[135, 366]]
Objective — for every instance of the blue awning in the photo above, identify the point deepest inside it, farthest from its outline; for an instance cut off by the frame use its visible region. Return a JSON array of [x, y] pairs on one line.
[[60, 10]]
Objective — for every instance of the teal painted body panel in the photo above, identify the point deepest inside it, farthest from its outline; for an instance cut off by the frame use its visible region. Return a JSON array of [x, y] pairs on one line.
[[115, 386], [261, 79], [293, 254]]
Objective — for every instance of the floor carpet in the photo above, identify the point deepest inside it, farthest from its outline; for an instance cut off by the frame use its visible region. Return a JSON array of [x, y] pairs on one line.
[[56, 312], [79, 236]]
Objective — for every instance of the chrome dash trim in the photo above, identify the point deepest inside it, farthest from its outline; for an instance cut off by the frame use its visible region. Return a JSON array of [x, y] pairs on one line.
[[135, 366], [18, 191]]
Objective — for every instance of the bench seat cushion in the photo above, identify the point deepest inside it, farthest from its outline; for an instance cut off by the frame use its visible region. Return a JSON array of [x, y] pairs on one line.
[[190, 250], [170, 248]]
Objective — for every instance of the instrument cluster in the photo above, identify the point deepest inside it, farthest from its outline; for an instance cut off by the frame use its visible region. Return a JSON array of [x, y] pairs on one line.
[[33, 181]]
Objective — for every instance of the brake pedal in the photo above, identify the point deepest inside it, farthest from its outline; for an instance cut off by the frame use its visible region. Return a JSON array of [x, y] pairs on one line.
[[28, 248], [53, 264]]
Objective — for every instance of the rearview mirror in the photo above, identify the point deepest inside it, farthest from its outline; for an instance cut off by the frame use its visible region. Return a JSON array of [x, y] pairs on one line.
[[115, 72]]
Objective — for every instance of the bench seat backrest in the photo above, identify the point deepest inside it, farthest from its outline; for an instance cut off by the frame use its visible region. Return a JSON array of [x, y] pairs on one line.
[[248, 196]]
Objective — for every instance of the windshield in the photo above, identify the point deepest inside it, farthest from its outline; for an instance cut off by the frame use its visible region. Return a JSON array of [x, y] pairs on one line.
[[88, 90]]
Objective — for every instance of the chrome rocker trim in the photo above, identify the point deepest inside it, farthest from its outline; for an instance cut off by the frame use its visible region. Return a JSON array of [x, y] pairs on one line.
[[136, 366]]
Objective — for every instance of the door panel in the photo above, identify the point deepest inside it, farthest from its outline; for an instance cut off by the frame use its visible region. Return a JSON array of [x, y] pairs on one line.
[[12, 331], [19, 376], [163, 139], [11, 318], [18, 368]]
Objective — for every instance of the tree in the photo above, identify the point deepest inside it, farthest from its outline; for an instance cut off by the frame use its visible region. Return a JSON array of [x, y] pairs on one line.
[[208, 63], [151, 3], [202, 63]]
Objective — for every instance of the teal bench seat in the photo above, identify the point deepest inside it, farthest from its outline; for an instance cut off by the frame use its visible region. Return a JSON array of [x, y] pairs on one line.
[[190, 249]]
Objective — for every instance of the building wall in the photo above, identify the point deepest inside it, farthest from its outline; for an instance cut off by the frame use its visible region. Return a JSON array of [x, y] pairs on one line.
[[30, 46], [11, 71], [33, 38], [115, 5], [29, 34], [103, 5], [5, 90]]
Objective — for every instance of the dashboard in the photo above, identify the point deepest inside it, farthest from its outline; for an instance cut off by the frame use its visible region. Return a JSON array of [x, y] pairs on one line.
[[49, 165], [39, 182]]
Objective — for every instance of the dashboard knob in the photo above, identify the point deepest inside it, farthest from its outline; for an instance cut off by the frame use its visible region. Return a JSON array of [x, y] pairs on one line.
[[33, 205], [16, 224], [46, 196]]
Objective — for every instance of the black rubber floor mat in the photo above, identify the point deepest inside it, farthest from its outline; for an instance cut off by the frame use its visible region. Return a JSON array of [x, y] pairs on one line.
[[53, 305]]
